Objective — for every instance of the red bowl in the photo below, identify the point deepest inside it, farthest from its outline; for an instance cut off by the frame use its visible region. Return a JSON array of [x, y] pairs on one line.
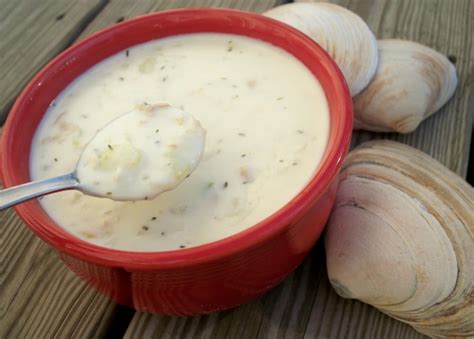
[[213, 276]]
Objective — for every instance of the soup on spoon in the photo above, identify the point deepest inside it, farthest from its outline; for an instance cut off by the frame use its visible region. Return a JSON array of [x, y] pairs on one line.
[[136, 156], [141, 154]]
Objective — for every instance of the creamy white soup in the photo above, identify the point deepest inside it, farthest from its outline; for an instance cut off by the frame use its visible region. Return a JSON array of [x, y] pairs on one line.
[[267, 123]]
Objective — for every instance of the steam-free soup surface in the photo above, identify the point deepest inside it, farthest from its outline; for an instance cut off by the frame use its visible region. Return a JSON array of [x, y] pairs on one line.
[[267, 124]]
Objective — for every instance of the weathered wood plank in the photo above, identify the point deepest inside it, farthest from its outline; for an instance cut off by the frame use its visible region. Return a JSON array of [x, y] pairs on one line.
[[446, 26], [39, 297], [304, 306], [32, 32], [117, 11]]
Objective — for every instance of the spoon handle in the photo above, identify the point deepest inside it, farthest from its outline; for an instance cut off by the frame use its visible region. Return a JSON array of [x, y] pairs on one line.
[[17, 194]]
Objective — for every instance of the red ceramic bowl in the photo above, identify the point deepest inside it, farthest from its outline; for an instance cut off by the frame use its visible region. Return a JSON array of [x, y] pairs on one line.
[[213, 276]]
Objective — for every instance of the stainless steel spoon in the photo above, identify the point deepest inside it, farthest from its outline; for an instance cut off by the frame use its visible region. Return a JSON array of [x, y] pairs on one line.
[[18, 194], [157, 115]]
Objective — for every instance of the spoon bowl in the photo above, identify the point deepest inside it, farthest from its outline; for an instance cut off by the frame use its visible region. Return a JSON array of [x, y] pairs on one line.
[[137, 156]]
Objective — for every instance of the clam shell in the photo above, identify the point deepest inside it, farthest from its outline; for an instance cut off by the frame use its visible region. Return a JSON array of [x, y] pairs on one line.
[[343, 34], [401, 237], [412, 82]]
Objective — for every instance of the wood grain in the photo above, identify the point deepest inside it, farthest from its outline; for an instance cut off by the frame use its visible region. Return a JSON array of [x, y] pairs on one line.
[[447, 26], [304, 305], [33, 32], [121, 10], [39, 297]]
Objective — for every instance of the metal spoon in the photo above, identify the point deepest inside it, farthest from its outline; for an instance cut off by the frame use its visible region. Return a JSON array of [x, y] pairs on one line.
[[18, 194], [190, 144]]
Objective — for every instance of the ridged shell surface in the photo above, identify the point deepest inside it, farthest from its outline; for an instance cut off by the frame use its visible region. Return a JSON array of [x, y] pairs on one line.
[[412, 82], [401, 237]]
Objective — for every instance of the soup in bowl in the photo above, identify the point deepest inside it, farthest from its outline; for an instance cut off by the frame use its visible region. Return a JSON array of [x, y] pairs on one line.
[[278, 117]]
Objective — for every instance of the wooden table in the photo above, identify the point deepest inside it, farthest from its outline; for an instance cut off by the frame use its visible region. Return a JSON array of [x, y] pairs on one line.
[[40, 298]]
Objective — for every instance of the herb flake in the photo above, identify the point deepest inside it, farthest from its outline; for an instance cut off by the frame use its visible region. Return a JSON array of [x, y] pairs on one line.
[[230, 46]]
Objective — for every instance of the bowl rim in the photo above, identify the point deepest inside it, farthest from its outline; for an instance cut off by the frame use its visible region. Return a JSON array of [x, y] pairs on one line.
[[245, 240]]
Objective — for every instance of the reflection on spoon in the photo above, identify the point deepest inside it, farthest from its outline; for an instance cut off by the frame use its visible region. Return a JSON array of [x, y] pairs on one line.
[[136, 156]]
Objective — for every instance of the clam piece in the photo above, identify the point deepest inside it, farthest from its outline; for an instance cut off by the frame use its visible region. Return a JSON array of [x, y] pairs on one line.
[[343, 34], [412, 82], [401, 238]]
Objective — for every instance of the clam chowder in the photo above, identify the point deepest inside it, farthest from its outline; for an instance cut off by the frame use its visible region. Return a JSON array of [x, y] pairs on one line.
[[267, 124]]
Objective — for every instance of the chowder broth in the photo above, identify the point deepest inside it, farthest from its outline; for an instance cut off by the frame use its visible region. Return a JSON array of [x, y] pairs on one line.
[[267, 123]]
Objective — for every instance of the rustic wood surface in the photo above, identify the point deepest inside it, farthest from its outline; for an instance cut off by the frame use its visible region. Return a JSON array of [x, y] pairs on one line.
[[39, 297], [447, 26], [33, 32]]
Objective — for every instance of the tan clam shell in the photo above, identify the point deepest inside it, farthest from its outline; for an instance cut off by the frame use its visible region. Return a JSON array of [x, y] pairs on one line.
[[412, 82], [401, 237], [343, 34]]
